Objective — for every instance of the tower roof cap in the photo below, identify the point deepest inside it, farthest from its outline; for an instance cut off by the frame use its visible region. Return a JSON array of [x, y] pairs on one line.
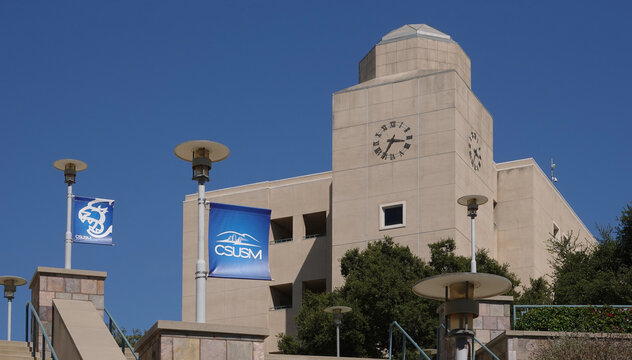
[[414, 30]]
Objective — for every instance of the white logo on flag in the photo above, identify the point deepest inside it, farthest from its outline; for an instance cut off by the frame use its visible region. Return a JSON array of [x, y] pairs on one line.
[[95, 216], [236, 241]]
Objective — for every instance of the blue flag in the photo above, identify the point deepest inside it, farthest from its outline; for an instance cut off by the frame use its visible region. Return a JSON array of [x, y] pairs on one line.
[[238, 242], [92, 220]]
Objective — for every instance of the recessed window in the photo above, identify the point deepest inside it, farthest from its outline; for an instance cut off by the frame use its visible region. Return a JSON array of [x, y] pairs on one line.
[[281, 229], [556, 230], [315, 286], [281, 296], [315, 224], [392, 215]]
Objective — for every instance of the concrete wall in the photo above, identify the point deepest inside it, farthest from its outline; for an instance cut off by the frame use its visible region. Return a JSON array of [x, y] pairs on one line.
[[408, 54], [442, 113], [529, 206]]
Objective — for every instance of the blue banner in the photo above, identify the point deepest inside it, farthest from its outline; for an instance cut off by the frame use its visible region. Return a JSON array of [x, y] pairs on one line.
[[92, 220], [238, 242]]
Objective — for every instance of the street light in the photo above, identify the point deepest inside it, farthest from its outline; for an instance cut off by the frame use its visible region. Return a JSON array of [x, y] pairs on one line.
[[70, 167], [460, 292], [10, 282], [338, 311], [202, 154], [472, 202]]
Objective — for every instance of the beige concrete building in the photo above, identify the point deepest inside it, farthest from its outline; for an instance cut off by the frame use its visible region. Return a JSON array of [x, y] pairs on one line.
[[408, 141]]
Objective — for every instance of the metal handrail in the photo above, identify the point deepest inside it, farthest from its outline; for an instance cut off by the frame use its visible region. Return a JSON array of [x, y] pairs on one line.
[[404, 337], [484, 347], [473, 339], [125, 342], [45, 338], [527, 307]]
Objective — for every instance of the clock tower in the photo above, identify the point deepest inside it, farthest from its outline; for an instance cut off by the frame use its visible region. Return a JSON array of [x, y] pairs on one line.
[[408, 141]]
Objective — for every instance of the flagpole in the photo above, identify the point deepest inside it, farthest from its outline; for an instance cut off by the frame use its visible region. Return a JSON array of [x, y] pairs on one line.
[[200, 267], [202, 154], [70, 167], [68, 257]]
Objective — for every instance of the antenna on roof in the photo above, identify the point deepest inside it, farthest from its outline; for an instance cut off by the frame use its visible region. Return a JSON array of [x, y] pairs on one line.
[[553, 178]]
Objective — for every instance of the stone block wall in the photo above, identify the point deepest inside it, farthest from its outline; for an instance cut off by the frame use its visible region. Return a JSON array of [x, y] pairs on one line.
[[494, 317], [174, 340], [519, 345], [68, 284]]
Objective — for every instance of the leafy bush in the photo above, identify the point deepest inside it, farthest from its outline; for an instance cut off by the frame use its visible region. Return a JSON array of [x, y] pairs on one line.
[[583, 319], [132, 336], [577, 347]]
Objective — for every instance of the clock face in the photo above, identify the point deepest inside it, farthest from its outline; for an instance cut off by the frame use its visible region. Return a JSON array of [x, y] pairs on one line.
[[392, 140], [475, 150]]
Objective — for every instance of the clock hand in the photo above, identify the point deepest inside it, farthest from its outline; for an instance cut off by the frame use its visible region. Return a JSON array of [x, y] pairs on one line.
[[388, 147], [390, 143]]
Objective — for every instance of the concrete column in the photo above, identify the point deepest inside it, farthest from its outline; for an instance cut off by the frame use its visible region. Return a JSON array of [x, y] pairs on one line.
[[69, 284]]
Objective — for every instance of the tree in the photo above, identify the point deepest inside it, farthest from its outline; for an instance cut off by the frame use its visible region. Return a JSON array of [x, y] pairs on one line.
[[132, 337], [443, 260], [378, 286], [599, 274], [539, 292], [317, 331], [379, 281], [623, 233]]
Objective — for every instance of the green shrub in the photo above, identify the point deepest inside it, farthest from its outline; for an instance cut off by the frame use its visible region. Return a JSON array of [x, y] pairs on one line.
[[582, 319]]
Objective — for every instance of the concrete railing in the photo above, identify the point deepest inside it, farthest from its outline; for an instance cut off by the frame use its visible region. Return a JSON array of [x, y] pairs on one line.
[[80, 334]]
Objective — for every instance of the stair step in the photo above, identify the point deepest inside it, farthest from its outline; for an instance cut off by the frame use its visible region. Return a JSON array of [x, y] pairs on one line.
[[5, 343], [15, 350]]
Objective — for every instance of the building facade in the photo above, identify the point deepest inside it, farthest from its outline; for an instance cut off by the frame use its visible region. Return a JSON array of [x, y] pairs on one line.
[[407, 141]]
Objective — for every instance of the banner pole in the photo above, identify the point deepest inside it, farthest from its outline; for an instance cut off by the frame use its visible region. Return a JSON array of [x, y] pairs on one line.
[[9, 321], [200, 267], [202, 154], [68, 257]]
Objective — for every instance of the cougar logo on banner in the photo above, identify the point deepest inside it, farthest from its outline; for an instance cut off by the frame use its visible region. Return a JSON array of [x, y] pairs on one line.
[[92, 220], [238, 242]]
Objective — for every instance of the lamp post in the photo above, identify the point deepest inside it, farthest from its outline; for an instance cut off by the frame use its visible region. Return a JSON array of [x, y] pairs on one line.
[[202, 154], [338, 311], [460, 292], [70, 167], [10, 283], [472, 202]]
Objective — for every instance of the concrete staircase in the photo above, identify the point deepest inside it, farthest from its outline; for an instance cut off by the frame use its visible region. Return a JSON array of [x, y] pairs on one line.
[[15, 350]]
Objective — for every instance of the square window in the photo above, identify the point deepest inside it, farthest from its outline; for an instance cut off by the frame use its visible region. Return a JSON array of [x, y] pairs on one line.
[[392, 215], [315, 224], [315, 286], [281, 229], [281, 296]]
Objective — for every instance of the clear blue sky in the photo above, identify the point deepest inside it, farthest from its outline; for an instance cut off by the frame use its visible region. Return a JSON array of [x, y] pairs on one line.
[[119, 83]]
